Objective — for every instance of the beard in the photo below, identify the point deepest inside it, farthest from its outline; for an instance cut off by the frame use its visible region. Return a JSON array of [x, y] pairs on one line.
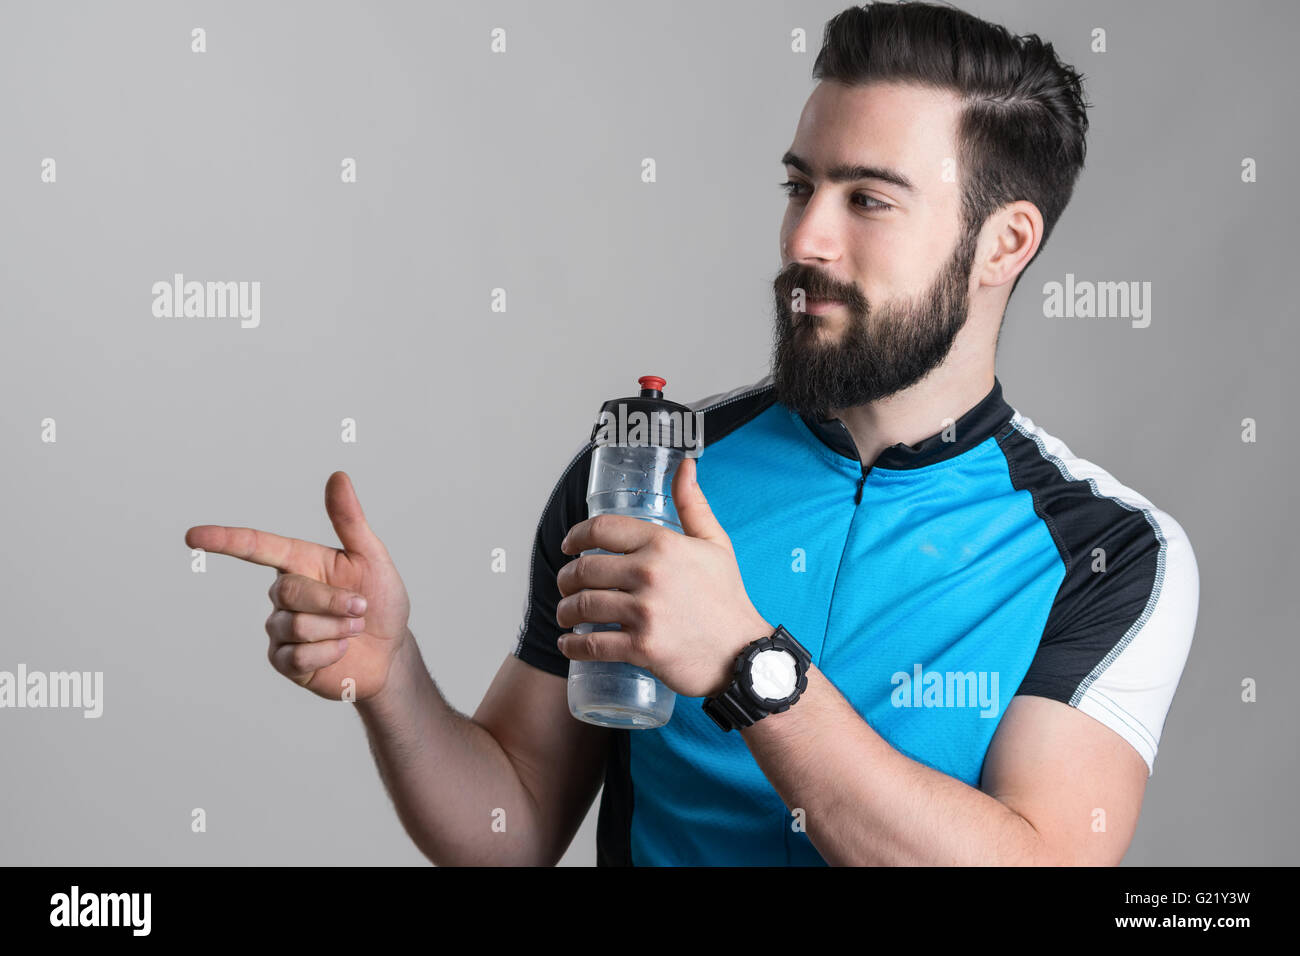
[[902, 343]]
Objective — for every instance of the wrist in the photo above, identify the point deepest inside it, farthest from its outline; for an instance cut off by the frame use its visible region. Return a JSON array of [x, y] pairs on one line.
[[404, 662], [757, 629]]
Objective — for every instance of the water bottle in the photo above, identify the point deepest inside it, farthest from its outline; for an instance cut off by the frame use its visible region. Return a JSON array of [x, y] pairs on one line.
[[640, 441]]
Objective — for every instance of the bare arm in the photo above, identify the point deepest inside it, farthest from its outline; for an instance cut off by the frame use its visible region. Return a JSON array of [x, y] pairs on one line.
[[509, 786], [1047, 771]]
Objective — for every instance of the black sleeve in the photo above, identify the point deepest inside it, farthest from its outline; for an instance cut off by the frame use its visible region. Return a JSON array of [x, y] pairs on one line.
[[566, 507]]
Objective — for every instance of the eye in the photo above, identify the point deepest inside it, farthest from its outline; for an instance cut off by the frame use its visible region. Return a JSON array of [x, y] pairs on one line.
[[791, 188], [872, 203]]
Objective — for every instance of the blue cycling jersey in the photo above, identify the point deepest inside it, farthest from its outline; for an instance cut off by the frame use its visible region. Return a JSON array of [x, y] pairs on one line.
[[930, 587]]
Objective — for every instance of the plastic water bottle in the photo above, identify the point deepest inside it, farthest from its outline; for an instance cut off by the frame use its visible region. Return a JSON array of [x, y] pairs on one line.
[[632, 472]]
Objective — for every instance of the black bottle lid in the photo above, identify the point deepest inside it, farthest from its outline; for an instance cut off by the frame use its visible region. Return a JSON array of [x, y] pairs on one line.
[[659, 422]]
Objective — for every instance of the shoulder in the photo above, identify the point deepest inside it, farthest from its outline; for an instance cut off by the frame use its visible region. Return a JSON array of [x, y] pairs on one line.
[[1089, 508], [1121, 625], [755, 393], [725, 412]]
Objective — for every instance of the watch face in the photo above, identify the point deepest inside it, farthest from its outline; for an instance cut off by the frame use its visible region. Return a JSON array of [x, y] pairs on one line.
[[772, 674]]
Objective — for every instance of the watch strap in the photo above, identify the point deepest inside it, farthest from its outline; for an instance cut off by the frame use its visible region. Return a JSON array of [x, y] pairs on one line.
[[730, 711]]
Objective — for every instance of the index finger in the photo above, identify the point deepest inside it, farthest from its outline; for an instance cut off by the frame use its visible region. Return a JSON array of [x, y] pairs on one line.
[[259, 547], [617, 533]]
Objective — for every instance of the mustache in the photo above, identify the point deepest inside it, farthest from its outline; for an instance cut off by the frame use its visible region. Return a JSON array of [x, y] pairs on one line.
[[815, 285]]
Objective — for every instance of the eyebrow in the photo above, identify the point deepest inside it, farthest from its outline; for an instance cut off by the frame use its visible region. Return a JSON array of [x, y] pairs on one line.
[[847, 173]]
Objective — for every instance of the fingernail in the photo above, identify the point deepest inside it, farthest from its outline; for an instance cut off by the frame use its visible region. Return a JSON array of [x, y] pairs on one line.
[[559, 642], [343, 644], [356, 624], [357, 605]]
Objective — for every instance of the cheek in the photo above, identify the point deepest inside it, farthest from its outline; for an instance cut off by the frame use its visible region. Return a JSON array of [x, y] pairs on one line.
[[894, 265], [881, 267]]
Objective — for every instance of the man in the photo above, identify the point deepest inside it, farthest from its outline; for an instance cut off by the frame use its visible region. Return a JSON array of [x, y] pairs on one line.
[[982, 633]]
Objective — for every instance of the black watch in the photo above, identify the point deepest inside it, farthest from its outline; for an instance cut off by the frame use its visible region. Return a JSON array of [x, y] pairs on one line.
[[768, 677]]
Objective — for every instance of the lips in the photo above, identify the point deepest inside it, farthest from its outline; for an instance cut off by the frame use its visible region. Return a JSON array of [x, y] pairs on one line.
[[818, 306]]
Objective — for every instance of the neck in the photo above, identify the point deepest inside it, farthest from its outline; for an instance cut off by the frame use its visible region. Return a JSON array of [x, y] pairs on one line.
[[918, 412]]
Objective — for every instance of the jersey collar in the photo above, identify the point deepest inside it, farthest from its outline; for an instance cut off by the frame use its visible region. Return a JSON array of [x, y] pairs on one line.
[[986, 418]]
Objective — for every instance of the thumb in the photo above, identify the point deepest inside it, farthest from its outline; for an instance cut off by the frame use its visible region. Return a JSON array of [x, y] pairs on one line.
[[348, 519], [693, 508]]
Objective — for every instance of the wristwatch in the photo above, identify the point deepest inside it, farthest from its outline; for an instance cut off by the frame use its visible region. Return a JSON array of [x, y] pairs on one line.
[[767, 678]]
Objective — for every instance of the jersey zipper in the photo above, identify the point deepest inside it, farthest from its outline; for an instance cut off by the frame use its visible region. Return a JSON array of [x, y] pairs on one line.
[[862, 479]]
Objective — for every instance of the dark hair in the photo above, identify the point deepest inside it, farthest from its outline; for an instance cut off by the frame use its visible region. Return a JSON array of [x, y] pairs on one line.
[[1023, 125]]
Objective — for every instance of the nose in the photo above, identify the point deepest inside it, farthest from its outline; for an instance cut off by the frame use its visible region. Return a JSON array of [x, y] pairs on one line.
[[813, 236]]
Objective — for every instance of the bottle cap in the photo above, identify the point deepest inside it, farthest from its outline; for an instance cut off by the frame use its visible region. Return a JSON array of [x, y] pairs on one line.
[[648, 419]]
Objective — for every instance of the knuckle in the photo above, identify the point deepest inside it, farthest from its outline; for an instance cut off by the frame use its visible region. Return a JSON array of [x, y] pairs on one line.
[[641, 612], [568, 580], [298, 655], [581, 568], [582, 603], [275, 623], [643, 642], [289, 590], [576, 605]]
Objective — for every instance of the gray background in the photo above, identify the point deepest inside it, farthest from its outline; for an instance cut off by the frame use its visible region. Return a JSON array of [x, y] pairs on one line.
[[522, 171]]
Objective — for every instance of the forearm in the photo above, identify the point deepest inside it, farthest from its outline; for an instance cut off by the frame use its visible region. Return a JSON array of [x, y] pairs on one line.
[[867, 804], [446, 774]]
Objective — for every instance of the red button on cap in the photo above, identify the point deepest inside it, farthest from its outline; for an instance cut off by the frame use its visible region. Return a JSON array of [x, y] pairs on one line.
[[652, 381]]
